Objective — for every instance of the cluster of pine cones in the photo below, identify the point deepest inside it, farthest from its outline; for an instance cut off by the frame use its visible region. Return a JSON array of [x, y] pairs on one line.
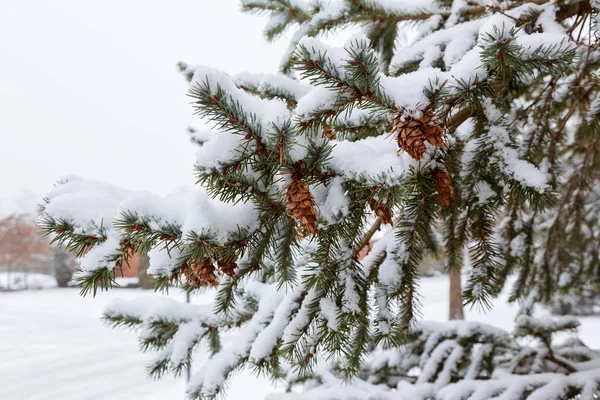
[[203, 273], [413, 134]]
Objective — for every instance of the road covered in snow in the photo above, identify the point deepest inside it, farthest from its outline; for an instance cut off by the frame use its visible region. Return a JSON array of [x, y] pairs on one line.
[[53, 345]]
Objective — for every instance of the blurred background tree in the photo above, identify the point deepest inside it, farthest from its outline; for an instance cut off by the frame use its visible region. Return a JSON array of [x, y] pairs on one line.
[[22, 249], [25, 254]]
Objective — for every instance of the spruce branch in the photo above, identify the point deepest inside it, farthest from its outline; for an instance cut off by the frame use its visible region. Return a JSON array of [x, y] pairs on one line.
[[493, 123]]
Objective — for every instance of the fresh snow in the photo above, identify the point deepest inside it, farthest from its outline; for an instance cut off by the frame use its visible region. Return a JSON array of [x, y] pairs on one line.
[[95, 205], [318, 99], [22, 280], [209, 380], [267, 112], [85, 203], [54, 345], [415, 6], [381, 153], [219, 149], [291, 87], [336, 205]]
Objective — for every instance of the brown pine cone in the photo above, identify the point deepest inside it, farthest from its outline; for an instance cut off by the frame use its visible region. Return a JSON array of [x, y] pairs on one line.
[[329, 134], [204, 273], [414, 132], [382, 211], [443, 185], [227, 266], [301, 204]]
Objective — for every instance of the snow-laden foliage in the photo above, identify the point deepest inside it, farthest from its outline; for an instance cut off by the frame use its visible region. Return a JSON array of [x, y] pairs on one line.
[[583, 300], [439, 120], [469, 360]]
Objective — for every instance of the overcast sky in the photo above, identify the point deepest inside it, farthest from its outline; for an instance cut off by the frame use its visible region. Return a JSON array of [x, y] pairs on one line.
[[91, 88]]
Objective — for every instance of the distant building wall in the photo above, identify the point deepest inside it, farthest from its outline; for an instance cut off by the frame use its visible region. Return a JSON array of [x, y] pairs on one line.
[[130, 270]]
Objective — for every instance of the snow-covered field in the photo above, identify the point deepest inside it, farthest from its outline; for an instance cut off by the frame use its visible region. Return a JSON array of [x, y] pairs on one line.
[[53, 345], [22, 280]]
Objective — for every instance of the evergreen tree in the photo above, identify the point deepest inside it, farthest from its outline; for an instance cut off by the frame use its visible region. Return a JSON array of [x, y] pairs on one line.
[[479, 134]]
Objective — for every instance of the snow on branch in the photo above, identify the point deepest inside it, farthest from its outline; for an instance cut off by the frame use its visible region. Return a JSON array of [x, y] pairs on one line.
[[479, 112], [106, 225], [272, 86], [226, 104], [173, 329], [210, 378]]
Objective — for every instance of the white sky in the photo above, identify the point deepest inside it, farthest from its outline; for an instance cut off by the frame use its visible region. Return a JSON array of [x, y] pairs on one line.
[[91, 88]]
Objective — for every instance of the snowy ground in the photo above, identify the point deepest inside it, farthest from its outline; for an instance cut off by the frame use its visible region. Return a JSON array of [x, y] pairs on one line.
[[53, 345], [22, 280]]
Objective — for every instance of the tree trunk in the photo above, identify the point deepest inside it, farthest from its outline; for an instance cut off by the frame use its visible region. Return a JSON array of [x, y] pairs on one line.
[[188, 373], [8, 277], [63, 268], [456, 306], [144, 278]]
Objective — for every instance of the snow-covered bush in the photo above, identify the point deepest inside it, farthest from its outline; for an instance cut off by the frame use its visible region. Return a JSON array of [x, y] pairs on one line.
[[581, 300], [436, 120], [17, 280]]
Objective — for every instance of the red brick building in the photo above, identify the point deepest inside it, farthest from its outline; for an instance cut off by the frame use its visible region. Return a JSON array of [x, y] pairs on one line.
[[131, 270]]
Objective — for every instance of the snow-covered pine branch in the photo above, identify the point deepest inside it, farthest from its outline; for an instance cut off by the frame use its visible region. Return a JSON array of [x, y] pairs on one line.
[[460, 360], [438, 121]]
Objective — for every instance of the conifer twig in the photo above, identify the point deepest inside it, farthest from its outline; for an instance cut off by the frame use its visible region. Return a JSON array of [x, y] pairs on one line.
[[367, 238], [458, 119]]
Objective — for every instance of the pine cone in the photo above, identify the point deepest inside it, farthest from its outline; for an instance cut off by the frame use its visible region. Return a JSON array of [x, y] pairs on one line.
[[382, 211], [227, 265], [301, 204], [443, 185], [190, 277], [413, 133], [204, 274], [329, 134]]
